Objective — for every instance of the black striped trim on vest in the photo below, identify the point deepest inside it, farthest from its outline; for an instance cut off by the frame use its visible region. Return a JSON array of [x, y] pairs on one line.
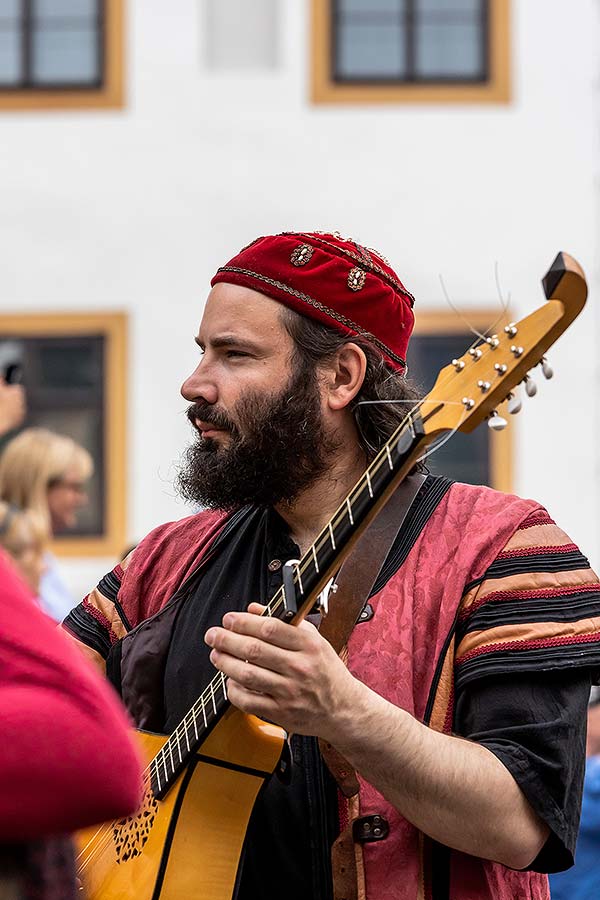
[[430, 495], [562, 608], [539, 659], [569, 561], [88, 630]]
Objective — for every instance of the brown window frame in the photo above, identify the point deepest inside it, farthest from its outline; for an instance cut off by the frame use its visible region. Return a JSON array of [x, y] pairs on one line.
[[501, 443], [324, 89], [112, 326], [109, 95]]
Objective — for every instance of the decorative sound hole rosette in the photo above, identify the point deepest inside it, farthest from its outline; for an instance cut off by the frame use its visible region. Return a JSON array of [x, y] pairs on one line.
[[131, 834], [356, 279], [302, 254]]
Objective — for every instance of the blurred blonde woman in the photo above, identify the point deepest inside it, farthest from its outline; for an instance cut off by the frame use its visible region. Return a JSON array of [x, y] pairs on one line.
[[47, 473], [23, 536]]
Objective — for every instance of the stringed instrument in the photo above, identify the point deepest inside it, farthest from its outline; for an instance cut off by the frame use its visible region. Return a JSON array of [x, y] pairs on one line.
[[202, 781]]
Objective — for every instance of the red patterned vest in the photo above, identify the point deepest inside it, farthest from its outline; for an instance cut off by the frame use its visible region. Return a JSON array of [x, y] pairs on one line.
[[407, 654]]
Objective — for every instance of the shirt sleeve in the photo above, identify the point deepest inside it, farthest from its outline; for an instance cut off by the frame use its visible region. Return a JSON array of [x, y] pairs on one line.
[[67, 757], [535, 723], [99, 621], [527, 651]]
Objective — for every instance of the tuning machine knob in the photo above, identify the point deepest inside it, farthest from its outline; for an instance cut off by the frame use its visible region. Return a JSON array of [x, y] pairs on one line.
[[547, 369], [514, 404], [530, 386], [496, 422]]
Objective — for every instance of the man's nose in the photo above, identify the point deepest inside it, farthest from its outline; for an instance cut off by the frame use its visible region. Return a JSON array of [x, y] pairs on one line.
[[199, 386]]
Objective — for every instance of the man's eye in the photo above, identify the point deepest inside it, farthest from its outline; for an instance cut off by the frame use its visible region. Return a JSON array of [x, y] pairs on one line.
[[231, 354]]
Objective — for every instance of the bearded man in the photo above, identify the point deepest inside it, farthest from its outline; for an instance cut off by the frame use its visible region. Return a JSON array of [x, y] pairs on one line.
[[462, 704]]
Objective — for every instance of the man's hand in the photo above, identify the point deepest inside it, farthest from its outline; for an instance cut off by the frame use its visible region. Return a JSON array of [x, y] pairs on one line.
[[454, 790], [289, 675], [12, 406]]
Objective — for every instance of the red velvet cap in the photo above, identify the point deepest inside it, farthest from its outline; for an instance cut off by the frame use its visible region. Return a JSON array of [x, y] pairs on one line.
[[330, 279]]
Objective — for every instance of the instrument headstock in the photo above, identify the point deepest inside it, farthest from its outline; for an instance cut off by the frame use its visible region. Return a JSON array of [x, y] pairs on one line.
[[469, 389]]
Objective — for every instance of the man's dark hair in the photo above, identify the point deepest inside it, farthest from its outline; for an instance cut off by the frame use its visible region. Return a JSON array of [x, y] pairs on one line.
[[376, 422]]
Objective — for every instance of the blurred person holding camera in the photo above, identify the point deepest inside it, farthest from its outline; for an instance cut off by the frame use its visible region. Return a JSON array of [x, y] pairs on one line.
[[47, 473]]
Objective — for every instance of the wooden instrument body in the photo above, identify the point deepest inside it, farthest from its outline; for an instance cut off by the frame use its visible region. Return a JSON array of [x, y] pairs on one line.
[[188, 844]]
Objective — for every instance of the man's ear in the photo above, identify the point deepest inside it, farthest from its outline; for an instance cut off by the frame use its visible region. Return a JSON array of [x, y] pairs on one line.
[[343, 376]]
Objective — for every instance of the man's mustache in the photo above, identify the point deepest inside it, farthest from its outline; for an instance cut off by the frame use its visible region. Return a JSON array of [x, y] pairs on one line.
[[211, 414]]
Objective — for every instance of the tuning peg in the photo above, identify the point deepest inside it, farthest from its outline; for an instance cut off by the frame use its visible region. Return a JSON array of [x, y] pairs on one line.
[[496, 422], [530, 386], [514, 404], [547, 368]]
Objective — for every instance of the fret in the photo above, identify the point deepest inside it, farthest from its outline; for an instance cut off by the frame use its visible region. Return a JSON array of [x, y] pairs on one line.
[[370, 486], [156, 775], [332, 537], [195, 723], [176, 734], [203, 712], [224, 686], [212, 696], [187, 740], [314, 553], [350, 516], [299, 576], [170, 746], [389, 456]]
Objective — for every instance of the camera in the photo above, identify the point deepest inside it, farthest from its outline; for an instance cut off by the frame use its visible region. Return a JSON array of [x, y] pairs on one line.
[[13, 373]]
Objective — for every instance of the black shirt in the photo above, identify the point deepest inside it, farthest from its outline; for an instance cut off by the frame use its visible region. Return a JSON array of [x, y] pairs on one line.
[[525, 720]]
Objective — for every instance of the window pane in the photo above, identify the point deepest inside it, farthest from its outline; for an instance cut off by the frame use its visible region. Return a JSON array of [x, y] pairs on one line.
[[466, 457], [449, 51], [470, 7], [64, 381], [69, 366], [10, 56], [64, 9], [372, 8], [9, 9], [65, 56], [370, 51]]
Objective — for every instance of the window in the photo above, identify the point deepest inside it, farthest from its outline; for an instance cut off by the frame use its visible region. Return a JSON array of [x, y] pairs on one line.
[[74, 373], [60, 53], [420, 50], [483, 456]]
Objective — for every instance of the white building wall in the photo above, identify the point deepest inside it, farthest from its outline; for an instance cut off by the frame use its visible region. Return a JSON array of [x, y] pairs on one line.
[[135, 209]]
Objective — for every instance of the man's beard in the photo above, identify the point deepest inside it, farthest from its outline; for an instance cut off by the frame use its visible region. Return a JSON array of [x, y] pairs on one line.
[[277, 448]]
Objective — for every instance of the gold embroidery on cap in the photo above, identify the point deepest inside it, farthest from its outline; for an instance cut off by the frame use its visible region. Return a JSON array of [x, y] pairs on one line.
[[301, 255], [356, 279]]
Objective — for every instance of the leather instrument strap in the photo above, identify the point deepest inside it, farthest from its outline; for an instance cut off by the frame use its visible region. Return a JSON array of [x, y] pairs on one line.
[[355, 582], [359, 572]]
